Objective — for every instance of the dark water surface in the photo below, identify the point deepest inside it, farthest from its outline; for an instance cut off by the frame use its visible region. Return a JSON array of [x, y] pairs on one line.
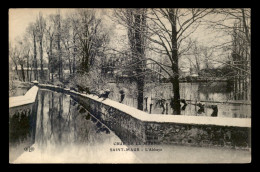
[[65, 132]]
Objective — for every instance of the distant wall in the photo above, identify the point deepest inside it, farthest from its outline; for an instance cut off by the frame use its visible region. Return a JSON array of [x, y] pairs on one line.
[[30, 75], [133, 125]]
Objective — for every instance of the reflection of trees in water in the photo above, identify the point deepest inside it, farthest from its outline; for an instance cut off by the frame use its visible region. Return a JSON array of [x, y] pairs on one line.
[[46, 132], [19, 128], [60, 118], [67, 121], [89, 129], [240, 89], [57, 119], [51, 110], [50, 126], [41, 133], [21, 131]]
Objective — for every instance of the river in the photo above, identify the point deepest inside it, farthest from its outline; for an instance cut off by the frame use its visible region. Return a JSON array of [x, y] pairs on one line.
[[65, 133]]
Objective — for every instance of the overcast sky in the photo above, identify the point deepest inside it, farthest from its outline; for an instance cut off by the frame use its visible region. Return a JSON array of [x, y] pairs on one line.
[[20, 18]]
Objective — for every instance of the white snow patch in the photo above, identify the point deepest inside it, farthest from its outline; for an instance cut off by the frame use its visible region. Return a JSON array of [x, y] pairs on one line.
[[28, 98], [159, 118], [197, 120]]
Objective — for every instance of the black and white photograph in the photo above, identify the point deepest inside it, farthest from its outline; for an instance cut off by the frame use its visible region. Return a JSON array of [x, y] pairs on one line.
[[129, 85]]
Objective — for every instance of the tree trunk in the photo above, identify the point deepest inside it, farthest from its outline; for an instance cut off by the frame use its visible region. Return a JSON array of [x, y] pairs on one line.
[[86, 61], [70, 68], [49, 77], [23, 74], [140, 97], [245, 27], [50, 68], [176, 106], [16, 69], [34, 59], [140, 66], [41, 59], [28, 67], [197, 65], [74, 66], [175, 68], [59, 71], [59, 51], [31, 73], [60, 62], [74, 53]]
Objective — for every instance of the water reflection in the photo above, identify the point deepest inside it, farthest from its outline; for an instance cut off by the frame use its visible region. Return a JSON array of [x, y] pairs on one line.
[[64, 128], [22, 126], [19, 128], [63, 121]]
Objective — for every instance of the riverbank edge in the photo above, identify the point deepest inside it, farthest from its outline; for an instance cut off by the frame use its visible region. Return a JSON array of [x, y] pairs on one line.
[[28, 98], [171, 129], [22, 107]]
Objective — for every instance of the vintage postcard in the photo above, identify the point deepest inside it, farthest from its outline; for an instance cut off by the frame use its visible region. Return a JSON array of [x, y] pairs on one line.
[[130, 85]]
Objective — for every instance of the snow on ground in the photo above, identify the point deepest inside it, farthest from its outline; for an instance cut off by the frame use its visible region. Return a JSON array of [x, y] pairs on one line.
[[28, 98], [143, 116]]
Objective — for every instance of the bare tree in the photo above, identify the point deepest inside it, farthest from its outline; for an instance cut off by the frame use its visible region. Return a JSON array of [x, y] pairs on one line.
[[67, 41], [195, 57], [87, 28], [168, 29], [199, 57], [58, 39], [49, 37], [19, 57], [22, 59], [13, 53], [74, 22], [87, 42], [236, 23], [27, 49], [32, 32], [207, 54], [40, 29], [135, 22]]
